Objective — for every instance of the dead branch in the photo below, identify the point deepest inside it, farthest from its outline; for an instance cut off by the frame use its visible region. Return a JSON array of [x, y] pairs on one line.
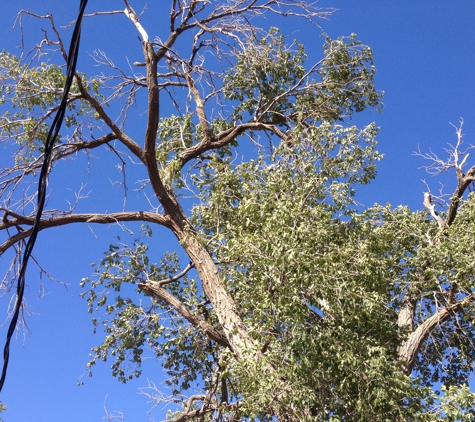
[[431, 207], [9, 180], [457, 159]]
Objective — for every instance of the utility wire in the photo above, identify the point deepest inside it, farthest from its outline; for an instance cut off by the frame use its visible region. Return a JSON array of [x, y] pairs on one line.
[[42, 183]]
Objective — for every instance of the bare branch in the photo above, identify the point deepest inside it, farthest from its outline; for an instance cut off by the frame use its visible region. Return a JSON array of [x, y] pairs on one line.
[[130, 13], [126, 140], [91, 15], [227, 136], [11, 219], [431, 207], [457, 160], [8, 179]]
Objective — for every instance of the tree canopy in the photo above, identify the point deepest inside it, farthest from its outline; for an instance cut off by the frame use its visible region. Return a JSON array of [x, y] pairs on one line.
[[285, 299]]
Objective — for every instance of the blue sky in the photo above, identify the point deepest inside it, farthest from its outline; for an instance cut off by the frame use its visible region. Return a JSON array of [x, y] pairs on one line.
[[425, 55]]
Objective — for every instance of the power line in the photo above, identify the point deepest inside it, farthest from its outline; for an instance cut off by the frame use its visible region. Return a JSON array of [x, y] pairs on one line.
[[42, 182]]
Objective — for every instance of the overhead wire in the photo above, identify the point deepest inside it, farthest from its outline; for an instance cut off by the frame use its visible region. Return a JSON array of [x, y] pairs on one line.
[[42, 183]]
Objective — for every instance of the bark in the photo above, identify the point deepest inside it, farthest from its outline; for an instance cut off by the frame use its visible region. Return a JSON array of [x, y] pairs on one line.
[[226, 137], [410, 348], [119, 134], [406, 314], [223, 304], [233, 326], [463, 182]]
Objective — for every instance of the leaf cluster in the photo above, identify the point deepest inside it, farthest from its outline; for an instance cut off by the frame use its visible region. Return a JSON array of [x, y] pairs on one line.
[[132, 327], [31, 95]]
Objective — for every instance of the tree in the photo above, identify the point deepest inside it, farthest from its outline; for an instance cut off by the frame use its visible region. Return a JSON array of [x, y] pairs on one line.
[[293, 305]]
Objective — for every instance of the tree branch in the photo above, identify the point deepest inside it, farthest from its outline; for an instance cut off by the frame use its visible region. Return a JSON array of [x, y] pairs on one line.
[[457, 160], [191, 316], [225, 137], [410, 348], [126, 140], [209, 405], [200, 110], [464, 181], [11, 219], [431, 207], [176, 277], [130, 13]]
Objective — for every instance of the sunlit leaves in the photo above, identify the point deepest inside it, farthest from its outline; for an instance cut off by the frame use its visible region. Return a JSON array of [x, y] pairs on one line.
[[271, 84], [31, 95], [299, 262], [264, 71], [317, 284]]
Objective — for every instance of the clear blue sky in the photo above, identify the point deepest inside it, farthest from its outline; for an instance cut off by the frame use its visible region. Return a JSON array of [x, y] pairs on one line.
[[424, 53]]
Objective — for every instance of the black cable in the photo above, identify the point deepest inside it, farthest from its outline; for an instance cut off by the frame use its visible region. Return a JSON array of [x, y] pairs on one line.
[[42, 183]]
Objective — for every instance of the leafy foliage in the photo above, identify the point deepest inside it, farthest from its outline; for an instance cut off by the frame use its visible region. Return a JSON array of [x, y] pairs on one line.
[[32, 94], [132, 328], [296, 304]]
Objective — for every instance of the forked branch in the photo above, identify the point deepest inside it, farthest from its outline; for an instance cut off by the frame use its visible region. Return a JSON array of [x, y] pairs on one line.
[[457, 160], [410, 348]]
